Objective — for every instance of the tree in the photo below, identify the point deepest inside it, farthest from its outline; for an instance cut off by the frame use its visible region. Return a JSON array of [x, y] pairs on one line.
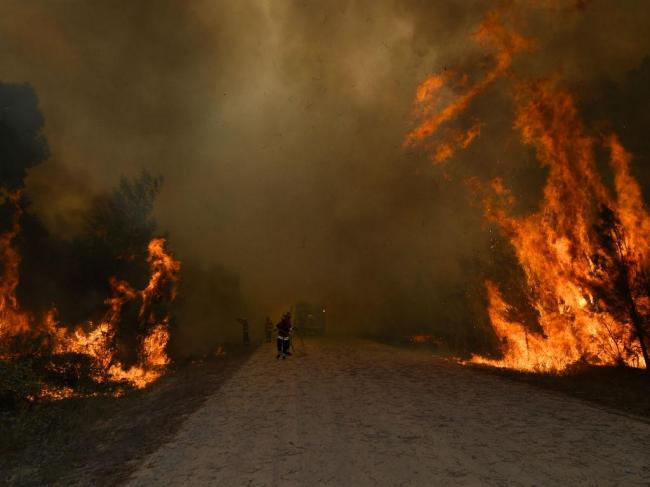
[[618, 281], [120, 223], [22, 143]]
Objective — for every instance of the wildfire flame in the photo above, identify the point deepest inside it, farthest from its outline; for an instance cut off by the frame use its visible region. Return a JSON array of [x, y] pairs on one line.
[[420, 338], [12, 320], [494, 36], [95, 340], [585, 253]]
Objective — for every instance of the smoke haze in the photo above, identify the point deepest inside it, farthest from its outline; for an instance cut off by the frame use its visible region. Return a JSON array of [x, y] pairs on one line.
[[278, 129]]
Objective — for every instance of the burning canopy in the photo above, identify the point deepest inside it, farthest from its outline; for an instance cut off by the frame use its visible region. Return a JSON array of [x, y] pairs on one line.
[[585, 252]]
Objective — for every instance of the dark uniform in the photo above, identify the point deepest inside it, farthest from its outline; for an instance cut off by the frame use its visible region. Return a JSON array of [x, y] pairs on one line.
[[244, 328], [268, 330], [284, 336]]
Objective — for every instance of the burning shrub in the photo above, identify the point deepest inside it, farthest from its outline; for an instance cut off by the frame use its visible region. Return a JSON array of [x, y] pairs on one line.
[[112, 284]]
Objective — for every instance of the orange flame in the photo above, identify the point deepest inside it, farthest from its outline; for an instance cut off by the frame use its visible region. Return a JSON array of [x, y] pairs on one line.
[[420, 338], [12, 320], [557, 246], [98, 341], [585, 254], [491, 34], [456, 139], [153, 356]]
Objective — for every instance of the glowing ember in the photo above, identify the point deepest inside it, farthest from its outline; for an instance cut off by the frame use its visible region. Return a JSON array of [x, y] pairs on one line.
[[420, 338], [12, 320], [153, 356], [584, 252]]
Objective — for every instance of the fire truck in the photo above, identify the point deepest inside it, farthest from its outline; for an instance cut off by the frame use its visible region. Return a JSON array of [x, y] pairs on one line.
[[308, 318]]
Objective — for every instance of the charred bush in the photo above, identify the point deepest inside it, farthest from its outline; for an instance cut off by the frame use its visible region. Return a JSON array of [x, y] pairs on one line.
[[18, 382]]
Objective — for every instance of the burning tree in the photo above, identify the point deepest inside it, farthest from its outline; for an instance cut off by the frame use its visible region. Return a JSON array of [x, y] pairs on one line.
[[619, 284], [123, 337], [585, 252]]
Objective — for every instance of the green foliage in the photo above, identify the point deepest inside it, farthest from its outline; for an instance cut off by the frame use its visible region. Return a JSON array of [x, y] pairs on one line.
[[118, 228], [120, 223]]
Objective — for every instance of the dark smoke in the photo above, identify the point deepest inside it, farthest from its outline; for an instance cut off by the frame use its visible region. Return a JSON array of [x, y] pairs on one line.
[[21, 138], [277, 127]]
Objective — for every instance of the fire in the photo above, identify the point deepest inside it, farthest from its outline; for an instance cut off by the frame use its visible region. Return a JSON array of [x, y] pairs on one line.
[[571, 271], [153, 356], [96, 340], [420, 338], [585, 252], [11, 319], [493, 35], [455, 139]]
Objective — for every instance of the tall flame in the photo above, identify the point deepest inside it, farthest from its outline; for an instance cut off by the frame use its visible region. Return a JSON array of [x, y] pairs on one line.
[[153, 357], [584, 252], [494, 36], [12, 320]]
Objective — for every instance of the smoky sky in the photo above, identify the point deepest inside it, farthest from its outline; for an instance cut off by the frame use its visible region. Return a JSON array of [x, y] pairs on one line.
[[278, 129]]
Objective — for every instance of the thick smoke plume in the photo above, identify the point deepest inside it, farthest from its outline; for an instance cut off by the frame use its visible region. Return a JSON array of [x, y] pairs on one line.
[[278, 128]]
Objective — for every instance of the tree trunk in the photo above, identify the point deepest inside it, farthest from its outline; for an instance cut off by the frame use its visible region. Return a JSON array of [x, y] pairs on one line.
[[640, 333], [637, 323], [637, 320]]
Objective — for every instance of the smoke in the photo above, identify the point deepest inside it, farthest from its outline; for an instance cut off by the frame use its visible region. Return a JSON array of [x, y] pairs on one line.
[[278, 128], [21, 138]]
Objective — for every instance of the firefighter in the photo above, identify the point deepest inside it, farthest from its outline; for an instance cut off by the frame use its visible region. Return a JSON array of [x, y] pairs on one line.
[[244, 328], [284, 336], [268, 330]]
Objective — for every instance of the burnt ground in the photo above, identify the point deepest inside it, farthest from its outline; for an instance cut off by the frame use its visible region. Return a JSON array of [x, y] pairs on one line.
[[101, 440]]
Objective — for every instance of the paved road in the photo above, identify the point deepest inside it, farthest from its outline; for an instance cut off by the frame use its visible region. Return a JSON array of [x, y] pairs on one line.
[[369, 414]]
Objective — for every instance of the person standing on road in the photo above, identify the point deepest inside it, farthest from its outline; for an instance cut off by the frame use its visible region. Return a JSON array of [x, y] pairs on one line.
[[244, 328], [284, 336], [268, 329]]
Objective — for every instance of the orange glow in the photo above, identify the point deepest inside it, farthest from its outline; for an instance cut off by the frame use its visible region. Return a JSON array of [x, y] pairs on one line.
[[420, 338], [93, 339], [491, 34], [584, 252], [456, 139], [12, 320]]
